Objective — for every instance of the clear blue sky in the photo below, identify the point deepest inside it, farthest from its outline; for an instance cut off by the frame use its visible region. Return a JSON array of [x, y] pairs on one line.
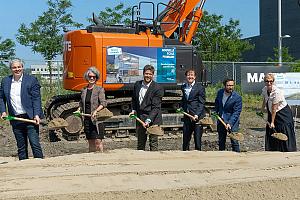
[[15, 12]]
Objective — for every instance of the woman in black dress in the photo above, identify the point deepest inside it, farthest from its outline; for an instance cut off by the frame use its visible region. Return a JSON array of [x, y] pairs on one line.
[[92, 101], [279, 116]]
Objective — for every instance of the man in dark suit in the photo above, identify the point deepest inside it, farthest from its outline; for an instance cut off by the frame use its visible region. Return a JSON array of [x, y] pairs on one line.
[[192, 102], [146, 104], [21, 94], [228, 105]]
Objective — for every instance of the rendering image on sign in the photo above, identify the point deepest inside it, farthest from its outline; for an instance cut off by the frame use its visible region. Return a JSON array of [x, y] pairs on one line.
[[290, 84], [125, 64]]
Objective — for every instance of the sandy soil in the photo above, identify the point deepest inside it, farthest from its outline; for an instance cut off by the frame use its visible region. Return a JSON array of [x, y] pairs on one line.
[[131, 174], [69, 172]]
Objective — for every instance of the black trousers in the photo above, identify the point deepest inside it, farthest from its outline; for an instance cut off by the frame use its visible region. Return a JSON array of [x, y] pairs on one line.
[[222, 133], [190, 127]]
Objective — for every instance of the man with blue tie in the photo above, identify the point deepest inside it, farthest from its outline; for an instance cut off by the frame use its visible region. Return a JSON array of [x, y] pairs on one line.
[[228, 105], [192, 102], [20, 92]]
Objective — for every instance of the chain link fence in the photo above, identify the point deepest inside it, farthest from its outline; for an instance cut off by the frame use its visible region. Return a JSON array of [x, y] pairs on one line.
[[218, 71]]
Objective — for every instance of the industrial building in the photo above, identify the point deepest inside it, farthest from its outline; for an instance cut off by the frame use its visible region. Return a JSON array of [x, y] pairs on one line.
[[268, 38]]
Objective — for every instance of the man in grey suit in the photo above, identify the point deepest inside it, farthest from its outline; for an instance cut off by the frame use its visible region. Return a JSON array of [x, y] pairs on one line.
[[20, 92], [193, 100], [146, 104]]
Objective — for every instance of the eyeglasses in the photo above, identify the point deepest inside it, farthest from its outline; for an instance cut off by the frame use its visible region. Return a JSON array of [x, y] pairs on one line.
[[90, 77], [269, 81], [16, 67]]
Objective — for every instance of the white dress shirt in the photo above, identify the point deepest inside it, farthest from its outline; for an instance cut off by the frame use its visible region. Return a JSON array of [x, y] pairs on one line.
[[276, 97], [15, 96], [188, 88], [143, 91]]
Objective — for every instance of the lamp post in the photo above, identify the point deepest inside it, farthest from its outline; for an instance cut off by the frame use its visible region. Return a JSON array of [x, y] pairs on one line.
[[280, 48], [280, 37]]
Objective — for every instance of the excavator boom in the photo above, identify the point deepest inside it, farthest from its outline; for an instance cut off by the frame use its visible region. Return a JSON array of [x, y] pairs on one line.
[[181, 11]]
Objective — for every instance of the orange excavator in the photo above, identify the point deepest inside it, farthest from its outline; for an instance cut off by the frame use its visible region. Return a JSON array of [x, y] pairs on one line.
[[162, 39]]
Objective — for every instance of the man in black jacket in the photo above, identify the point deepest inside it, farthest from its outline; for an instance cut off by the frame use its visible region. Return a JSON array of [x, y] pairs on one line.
[[146, 104], [193, 100]]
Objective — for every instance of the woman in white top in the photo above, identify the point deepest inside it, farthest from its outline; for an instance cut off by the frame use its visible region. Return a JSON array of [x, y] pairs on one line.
[[279, 116]]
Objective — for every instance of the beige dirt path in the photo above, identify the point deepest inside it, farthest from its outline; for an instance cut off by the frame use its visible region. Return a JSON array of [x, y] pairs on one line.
[[130, 174]]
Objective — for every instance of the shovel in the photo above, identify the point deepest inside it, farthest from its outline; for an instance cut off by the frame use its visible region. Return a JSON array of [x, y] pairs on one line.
[[9, 118], [204, 121], [235, 136], [79, 114], [279, 136], [153, 130], [102, 114]]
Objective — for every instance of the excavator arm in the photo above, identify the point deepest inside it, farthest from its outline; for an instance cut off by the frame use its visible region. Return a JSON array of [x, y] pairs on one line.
[[181, 11]]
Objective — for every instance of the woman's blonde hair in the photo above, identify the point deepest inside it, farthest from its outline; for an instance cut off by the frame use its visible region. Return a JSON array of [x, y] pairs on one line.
[[269, 76]]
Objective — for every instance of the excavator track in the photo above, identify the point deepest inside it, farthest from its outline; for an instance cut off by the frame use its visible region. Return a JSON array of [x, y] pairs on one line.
[[120, 125], [56, 101]]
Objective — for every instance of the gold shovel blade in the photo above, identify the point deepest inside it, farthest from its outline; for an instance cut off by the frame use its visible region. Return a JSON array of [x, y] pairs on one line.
[[280, 136], [104, 114], [155, 130], [206, 121], [236, 136]]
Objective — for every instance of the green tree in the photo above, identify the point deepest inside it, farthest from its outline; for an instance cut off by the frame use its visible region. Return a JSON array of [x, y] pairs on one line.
[[117, 15], [286, 57], [220, 42], [7, 52], [296, 66], [45, 35]]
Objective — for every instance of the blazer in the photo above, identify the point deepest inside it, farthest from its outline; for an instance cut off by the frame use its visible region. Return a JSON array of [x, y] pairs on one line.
[[97, 98], [195, 103], [30, 96], [150, 108], [231, 110]]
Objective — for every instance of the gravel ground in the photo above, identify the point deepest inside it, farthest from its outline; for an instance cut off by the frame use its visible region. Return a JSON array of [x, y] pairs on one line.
[[251, 126]]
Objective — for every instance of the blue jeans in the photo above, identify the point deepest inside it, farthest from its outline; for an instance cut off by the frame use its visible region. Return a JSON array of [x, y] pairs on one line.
[[222, 132], [22, 131]]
